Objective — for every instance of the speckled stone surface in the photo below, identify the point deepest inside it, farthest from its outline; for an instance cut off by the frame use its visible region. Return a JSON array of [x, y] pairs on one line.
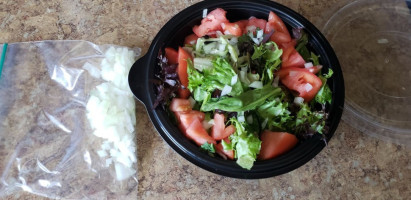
[[352, 166]]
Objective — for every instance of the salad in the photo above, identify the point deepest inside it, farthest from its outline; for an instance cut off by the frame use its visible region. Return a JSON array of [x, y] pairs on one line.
[[246, 90]]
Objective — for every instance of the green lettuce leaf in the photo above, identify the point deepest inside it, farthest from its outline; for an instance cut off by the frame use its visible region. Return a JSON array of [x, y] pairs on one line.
[[208, 147], [309, 119], [246, 144], [246, 101], [324, 95], [267, 55], [195, 78], [277, 114]]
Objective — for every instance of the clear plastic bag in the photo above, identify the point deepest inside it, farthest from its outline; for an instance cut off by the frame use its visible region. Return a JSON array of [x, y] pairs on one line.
[[46, 145]]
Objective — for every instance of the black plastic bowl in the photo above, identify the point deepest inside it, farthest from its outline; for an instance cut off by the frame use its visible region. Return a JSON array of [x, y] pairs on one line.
[[173, 34]]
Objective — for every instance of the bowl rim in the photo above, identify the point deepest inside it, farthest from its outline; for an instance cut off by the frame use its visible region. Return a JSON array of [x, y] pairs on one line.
[[139, 81]]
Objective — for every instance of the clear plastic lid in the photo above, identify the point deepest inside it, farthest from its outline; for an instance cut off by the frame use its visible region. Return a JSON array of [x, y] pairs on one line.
[[372, 40]]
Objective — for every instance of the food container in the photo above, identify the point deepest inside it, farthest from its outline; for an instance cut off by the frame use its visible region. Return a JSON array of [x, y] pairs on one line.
[[373, 42], [173, 34]]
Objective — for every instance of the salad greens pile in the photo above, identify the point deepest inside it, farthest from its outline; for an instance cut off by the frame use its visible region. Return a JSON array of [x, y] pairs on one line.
[[237, 76], [245, 79]]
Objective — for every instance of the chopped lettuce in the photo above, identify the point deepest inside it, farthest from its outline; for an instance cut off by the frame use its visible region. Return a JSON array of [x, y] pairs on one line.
[[208, 147], [315, 59], [245, 143], [216, 77], [324, 95], [235, 75], [267, 55], [307, 119], [277, 114], [246, 101], [195, 78]]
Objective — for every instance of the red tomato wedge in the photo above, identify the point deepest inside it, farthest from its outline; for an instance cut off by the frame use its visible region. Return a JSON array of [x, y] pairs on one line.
[[281, 34], [198, 134], [286, 45], [218, 128], [274, 144], [220, 150], [171, 55], [254, 23], [300, 80], [291, 58], [182, 72], [242, 23], [211, 23], [277, 23], [280, 38], [219, 131], [191, 39], [187, 118], [232, 29], [180, 105]]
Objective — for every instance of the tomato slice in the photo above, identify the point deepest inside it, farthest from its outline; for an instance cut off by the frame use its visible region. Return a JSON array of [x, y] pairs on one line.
[[228, 153], [280, 38], [182, 72], [171, 55], [286, 45], [180, 105], [191, 39], [281, 34], [300, 80], [291, 58], [232, 29], [211, 23], [218, 128], [198, 134], [277, 23], [186, 118], [274, 144]]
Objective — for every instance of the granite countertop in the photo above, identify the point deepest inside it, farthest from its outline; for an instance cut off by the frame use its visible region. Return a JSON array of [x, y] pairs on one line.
[[352, 166]]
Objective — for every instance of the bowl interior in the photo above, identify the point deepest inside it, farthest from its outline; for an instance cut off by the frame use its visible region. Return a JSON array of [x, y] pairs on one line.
[[173, 34]]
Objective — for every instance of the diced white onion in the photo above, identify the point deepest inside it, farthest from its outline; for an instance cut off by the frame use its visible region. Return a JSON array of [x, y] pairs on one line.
[[108, 162], [298, 100], [308, 65], [276, 81], [308, 87], [260, 33], [208, 124], [243, 77], [192, 101], [226, 90], [102, 153], [241, 118], [234, 80], [250, 29], [205, 13], [92, 70], [233, 41], [256, 84], [111, 112], [123, 172], [264, 123], [223, 26], [219, 33]]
